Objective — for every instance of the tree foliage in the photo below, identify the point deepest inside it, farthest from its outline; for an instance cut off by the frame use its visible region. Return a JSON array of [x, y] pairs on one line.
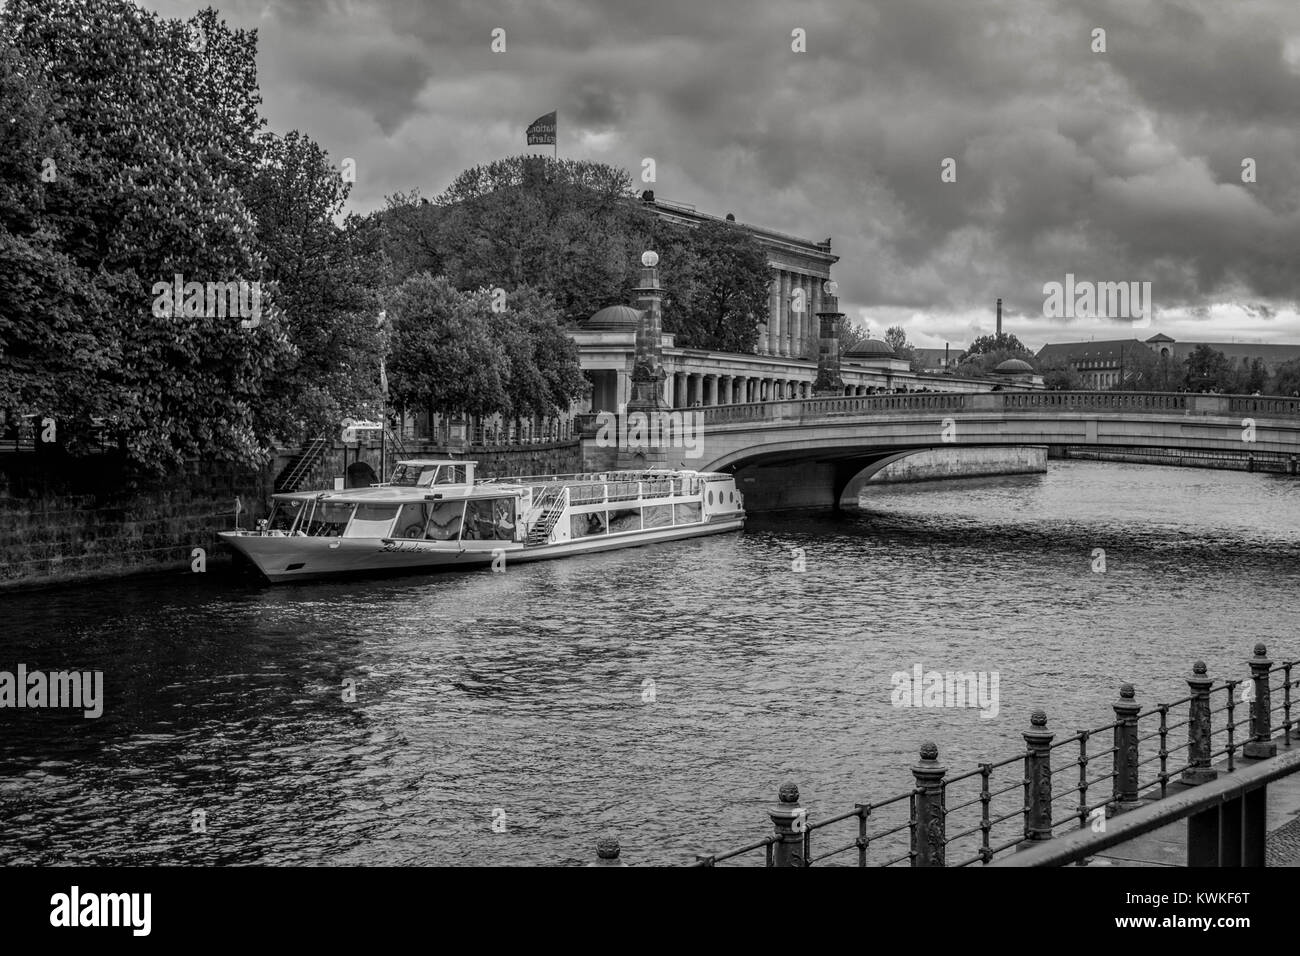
[[574, 231], [452, 354], [135, 154]]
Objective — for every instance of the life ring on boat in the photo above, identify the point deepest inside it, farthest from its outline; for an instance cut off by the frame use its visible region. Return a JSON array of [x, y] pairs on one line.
[[413, 530]]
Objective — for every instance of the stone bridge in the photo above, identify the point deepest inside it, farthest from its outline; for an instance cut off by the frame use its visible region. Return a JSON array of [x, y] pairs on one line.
[[817, 452]]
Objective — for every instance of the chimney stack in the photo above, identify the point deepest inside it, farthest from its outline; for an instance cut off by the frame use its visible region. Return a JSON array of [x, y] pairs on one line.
[[999, 318]]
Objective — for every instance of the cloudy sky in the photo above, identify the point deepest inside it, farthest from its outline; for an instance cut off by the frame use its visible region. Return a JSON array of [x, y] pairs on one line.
[[1123, 165]]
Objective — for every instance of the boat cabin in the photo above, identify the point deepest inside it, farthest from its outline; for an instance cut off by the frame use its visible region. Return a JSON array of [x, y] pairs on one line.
[[427, 472]]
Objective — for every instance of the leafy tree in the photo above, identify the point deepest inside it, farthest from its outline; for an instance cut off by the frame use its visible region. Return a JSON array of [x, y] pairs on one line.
[[726, 290], [1207, 369], [1004, 342], [544, 375], [896, 339], [574, 231], [852, 335], [1286, 378], [444, 356], [148, 190], [1140, 371], [329, 278], [1060, 376], [1249, 376]]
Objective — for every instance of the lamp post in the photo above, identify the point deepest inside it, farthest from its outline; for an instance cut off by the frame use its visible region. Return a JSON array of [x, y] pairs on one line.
[[381, 323]]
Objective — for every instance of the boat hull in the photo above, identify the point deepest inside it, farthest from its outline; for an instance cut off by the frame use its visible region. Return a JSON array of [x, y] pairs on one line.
[[292, 558]]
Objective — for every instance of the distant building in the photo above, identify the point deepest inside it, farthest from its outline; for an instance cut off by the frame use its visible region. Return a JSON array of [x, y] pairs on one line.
[[1101, 364], [939, 360]]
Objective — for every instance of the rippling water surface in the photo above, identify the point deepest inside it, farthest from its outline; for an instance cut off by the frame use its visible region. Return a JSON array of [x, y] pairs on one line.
[[524, 698]]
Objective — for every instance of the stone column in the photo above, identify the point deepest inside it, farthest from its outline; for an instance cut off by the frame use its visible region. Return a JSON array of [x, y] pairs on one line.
[[817, 295], [784, 335], [711, 389], [724, 389], [679, 395], [692, 388], [774, 311], [797, 318]]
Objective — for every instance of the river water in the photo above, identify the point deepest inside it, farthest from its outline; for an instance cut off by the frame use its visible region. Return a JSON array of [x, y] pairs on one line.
[[663, 693]]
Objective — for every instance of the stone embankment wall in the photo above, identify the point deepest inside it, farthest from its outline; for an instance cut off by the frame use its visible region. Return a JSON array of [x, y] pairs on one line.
[[52, 531], [53, 537], [940, 463], [1180, 458]]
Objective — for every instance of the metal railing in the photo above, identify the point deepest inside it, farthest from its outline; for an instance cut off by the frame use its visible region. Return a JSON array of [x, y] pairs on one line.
[[307, 459], [1135, 764]]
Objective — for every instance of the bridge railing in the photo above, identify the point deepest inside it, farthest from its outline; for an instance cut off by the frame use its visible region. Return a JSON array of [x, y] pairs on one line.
[[1074, 783], [804, 409]]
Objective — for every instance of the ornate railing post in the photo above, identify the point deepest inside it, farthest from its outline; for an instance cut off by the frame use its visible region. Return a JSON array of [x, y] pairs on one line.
[[928, 841], [607, 850], [1261, 718], [1199, 728], [1126, 749], [1038, 781], [789, 819]]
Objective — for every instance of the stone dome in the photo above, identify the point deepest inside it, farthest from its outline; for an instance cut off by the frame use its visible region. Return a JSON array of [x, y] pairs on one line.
[[870, 349], [1014, 367], [614, 317]]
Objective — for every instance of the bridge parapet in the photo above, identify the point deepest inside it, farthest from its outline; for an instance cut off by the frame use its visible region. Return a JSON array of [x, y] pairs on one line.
[[1154, 403]]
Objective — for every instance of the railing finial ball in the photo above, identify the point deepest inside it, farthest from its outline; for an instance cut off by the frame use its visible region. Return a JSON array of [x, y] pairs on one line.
[[1126, 691], [789, 792], [929, 750], [1199, 668], [1261, 650], [607, 847], [1038, 718]]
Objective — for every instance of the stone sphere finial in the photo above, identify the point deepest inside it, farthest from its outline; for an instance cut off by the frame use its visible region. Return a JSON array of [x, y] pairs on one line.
[[1038, 718], [830, 287], [929, 750], [1261, 650], [607, 847], [1199, 668], [789, 792], [1126, 691], [650, 258]]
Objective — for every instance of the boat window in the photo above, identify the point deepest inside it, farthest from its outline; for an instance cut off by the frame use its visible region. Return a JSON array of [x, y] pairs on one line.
[[450, 475], [628, 519], [284, 514], [580, 526], [426, 477], [445, 519], [489, 519], [371, 521], [329, 518], [657, 516], [688, 513], [411, 520], [405, 476], [710, 497]]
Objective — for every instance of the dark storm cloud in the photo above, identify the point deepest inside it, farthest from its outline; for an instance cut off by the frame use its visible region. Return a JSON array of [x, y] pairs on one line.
[[1122, 165]]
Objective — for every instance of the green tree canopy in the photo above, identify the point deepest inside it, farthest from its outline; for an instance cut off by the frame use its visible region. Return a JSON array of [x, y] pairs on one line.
[[1286, 378], [452, 354], [1207, 369], [574, 231]]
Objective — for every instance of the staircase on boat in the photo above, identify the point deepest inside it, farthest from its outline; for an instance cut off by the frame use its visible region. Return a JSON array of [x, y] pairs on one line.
[[549, 507]]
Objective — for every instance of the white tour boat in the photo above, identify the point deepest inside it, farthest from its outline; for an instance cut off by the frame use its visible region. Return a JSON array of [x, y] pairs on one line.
[[433, 514]]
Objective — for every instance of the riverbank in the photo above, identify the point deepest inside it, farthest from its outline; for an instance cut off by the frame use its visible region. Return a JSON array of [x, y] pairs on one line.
[[946, 463], [1180, 458]]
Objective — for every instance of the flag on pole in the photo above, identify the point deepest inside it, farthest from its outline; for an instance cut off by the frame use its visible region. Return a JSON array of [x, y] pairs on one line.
[[541, 132]]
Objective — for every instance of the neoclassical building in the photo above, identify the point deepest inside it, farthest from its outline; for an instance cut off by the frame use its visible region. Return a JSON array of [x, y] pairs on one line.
[[799, 267]]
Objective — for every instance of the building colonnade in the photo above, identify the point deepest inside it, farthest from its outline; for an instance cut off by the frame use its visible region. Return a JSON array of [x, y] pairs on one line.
[[702, 389], [792, 330]]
